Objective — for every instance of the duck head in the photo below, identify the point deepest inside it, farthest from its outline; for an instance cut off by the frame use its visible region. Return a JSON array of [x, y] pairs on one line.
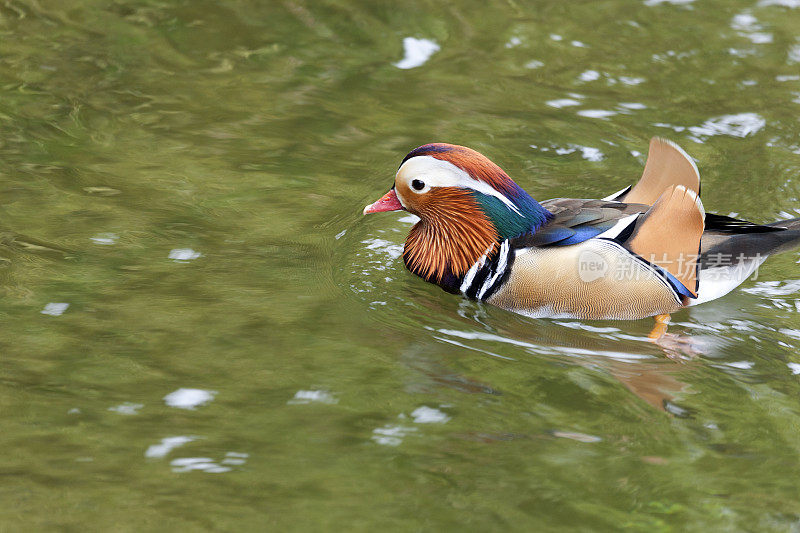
[[466, 204]]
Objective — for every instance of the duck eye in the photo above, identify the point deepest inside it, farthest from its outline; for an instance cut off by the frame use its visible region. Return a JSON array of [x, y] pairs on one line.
[[417, 185]]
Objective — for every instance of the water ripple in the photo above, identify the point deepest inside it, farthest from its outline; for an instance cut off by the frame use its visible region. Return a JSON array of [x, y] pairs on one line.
[[738, 125], [416, 52]]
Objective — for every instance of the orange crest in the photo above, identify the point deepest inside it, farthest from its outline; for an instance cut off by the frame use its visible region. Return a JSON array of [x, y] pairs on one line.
[[473, 163]]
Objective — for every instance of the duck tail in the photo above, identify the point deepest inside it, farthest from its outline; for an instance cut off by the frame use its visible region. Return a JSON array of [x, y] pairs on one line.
[[792, 223], [787, 239], [731, 251]]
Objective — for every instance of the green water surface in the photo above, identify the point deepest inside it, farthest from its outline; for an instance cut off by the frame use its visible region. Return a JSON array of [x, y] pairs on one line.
[[243, 351]]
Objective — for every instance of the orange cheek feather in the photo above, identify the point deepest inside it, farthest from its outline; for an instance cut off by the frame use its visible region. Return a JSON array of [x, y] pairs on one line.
[[452, 235]]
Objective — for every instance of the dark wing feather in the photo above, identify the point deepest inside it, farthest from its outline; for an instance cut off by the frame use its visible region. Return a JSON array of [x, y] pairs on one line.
[[725, 224], [576, 220], [550, 234]]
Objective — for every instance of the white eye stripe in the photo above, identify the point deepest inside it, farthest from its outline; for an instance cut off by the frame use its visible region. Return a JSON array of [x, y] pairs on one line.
[[437, 173]]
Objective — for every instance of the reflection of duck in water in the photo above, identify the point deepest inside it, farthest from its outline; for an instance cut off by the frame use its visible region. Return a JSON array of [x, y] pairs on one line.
[[606, 350], [633, 363], [647, 250]]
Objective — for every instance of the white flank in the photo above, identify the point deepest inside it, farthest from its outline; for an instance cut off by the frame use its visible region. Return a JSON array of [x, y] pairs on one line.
[[716, 282]]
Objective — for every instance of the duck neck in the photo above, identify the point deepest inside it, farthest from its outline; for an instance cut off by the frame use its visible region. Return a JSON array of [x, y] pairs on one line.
[[444, 244], [456, 232], [524, 215]]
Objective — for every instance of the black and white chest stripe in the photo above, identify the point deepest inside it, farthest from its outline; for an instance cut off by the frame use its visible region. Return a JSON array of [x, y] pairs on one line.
[[488, 274]]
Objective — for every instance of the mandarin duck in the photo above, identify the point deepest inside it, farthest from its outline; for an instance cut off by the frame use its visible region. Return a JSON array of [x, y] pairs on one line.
[[647, 250]]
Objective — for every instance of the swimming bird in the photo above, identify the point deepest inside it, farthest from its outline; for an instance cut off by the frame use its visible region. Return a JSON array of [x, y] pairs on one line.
[[647, 250]]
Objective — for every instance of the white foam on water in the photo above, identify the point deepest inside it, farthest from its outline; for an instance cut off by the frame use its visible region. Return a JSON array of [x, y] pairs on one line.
[[429, 415], [632, 105], [390, 435], [596, 113], [303, 397], [183, 254], [235, 458], [743, 365], [748, 26], [381, 245], [573, 435], [562, 102], [189, 398], [744, 22], [203, 464], [416, 52], [542, 349], [409, 219], [55, 308], [774, 288], [738, 125], [591, 154], [631, 80], [126, 408], [166, 445], [791, 4], [794, 54], [105, 239]]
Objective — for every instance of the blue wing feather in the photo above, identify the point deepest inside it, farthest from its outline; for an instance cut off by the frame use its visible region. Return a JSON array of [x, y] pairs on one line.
[[579, 235]]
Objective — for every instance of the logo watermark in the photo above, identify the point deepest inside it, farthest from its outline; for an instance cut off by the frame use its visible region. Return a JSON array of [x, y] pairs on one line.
[[593, 266]]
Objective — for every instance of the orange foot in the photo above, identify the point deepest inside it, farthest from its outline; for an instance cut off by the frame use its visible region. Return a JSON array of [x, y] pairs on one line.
[[660, 328]]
